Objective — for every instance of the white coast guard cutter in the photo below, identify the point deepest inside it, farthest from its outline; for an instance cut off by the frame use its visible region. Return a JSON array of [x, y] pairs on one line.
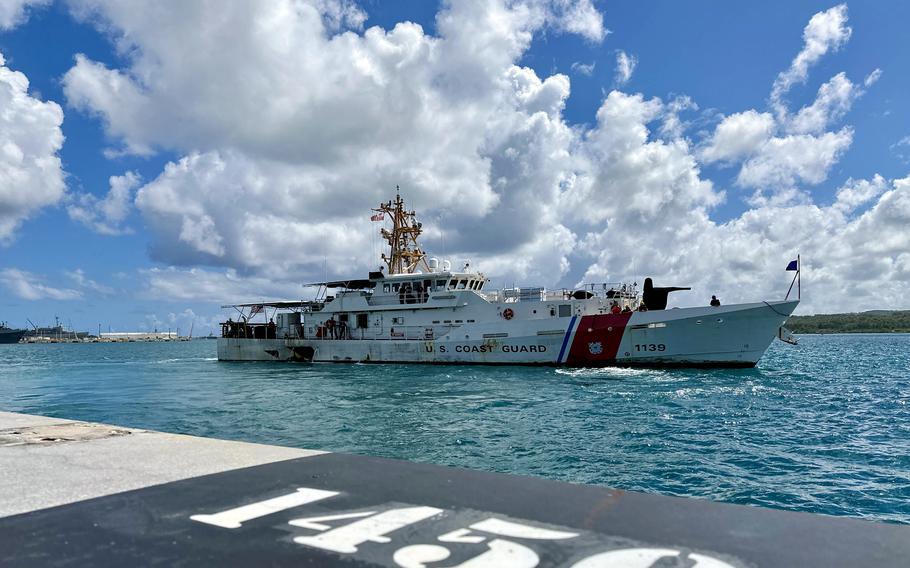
[[422, 312]]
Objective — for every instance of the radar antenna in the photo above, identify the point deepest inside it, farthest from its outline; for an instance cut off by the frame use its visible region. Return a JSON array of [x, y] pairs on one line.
[[405, 254]]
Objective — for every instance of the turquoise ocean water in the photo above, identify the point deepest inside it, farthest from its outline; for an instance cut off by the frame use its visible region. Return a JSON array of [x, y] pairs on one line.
[[823, 426]]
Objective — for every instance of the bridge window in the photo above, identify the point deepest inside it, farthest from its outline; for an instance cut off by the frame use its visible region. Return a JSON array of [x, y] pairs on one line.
[[386, 288], [462, 284], [565, 310], [452, 283], [440, 285]]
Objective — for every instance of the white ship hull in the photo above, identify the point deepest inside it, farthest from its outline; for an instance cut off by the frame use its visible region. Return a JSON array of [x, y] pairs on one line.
[[727, 336]]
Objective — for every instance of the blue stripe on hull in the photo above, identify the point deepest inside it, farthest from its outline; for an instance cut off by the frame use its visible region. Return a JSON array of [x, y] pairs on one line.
[[565, 340]]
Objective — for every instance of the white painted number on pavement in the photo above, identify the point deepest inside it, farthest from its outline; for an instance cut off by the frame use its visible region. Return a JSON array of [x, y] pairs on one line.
[[373, 526], [500, 553], [234, 518], [373, 529], [645, 558]]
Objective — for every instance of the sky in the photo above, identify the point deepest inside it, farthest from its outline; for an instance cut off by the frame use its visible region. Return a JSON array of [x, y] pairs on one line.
[[158, 160]]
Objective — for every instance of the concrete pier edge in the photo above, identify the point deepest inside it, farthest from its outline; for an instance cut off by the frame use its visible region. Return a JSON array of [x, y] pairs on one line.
[[80, 493]]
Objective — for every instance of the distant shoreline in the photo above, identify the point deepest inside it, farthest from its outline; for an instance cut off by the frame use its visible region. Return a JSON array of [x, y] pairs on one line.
[[852, 333], [875, 321]]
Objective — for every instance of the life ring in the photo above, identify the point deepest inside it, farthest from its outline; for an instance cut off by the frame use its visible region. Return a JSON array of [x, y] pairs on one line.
[[508, 313]]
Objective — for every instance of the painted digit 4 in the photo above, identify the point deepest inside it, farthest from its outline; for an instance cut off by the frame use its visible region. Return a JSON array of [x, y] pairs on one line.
[[345, 539]]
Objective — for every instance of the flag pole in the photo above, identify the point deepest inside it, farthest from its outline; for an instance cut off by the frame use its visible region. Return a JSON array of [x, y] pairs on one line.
[[794, 281], [799, 280], [790, 289]]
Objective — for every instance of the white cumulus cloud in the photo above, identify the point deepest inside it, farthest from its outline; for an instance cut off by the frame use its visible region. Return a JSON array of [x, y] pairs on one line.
[[780, 151], [826, 31], [289, 128], [584, 68], [31, 174], [833, 101], [625, 66], [901, 149], [782, 162], [107, 215], [79, 277], [175, 284], [846, 253], [738, 135], [323, 126], [578, 17], [15, 12], [28, 286]]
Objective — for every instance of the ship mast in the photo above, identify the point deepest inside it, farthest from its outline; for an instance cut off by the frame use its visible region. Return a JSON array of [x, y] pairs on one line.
[[405, 254]]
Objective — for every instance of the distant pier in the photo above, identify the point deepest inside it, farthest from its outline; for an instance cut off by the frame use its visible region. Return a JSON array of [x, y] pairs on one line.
[[78, 493], [112, 337]]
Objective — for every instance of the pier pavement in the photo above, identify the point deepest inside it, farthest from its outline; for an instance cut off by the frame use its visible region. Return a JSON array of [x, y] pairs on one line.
[[76, 493]]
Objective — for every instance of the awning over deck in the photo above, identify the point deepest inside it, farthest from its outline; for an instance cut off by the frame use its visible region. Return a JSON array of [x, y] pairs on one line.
[[354, 284], [284, 304]]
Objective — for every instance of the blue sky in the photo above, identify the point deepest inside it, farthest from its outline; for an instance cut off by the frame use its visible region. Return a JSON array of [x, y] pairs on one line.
[[724, 57]]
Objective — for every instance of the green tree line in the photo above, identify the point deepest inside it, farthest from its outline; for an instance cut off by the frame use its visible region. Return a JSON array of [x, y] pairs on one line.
[[879, 321]]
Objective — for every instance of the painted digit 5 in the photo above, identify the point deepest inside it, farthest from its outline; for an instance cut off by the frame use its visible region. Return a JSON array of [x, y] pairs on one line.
[[499, 552]]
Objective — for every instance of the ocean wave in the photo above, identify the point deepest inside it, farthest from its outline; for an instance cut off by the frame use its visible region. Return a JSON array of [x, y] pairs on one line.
[[604, 372]]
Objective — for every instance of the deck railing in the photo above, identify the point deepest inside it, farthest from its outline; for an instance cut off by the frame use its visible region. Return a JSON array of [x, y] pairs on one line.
[[391, 333], [319, 333], [609, 290]]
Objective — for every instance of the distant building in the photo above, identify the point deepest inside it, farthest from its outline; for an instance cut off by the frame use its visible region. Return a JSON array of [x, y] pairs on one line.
[[139, 336]]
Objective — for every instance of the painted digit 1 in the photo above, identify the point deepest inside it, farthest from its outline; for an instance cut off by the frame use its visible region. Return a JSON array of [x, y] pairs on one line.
[[234, 518]]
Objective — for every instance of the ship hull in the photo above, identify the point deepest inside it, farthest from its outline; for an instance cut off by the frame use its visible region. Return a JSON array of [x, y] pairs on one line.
[[11, 335], [728, 336]]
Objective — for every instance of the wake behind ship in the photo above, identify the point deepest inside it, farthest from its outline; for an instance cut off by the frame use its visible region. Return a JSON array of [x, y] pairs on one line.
[[421, 311]]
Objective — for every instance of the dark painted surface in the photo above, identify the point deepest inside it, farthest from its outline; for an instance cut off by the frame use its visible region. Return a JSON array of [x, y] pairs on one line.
[[153, 525]]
